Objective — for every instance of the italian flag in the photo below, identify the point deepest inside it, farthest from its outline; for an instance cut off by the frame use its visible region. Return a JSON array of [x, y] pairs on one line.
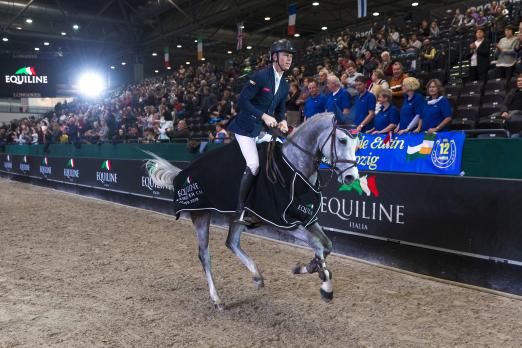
[[292, 14], [45, 162], [25, 159], [28, 70], [421, 150], [366, 185], [188, 181], [106, 165], [166, 59], [200, 48], [70, 163]]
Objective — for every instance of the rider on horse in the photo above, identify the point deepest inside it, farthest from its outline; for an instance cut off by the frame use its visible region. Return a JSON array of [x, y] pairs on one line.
[[262, 100]]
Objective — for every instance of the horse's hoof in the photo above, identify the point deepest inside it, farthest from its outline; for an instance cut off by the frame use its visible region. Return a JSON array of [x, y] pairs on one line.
[[258, 283], [219, 307], [297, 269], [326, 296]]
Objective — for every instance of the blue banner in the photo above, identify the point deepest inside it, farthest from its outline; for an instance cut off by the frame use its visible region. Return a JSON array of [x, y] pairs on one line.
[[439, 153]]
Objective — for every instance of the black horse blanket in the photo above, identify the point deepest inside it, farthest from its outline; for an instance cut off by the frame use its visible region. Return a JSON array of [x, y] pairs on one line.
[[211, 182]]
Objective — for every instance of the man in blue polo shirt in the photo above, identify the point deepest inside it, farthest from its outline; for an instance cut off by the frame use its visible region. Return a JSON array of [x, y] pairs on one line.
[[338, 100], [364, 106], [315, 103]]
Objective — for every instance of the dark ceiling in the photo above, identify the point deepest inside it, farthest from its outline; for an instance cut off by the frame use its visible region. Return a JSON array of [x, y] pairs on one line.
[[111, 31]]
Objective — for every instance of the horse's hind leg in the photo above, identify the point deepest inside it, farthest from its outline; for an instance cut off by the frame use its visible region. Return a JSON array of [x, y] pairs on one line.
[[201, 221], [233, 243]]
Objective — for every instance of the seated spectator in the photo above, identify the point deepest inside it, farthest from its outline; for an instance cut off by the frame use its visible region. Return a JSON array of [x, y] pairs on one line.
[[427, 56], [103, 132], [338, 100], [436, 114], [507, 55], [396, 83], [513, 100], [149, 136], [434, 30], [377, 80], [387, 119], [411, 107], [352, 75], [221, 135], [181, 133], [119, 137], [424, 29], [315, 103], [321, 82], [369, 64], [479, 57], [468, 21], [364, 106], [458, 21], [293, 116], [386, 63]]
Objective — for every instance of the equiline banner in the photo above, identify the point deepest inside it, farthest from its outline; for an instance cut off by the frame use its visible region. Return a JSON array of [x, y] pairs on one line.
[[27, 77], [471, 216], [439, 153]]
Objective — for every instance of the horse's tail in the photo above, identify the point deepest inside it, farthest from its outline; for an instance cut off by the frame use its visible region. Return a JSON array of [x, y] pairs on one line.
[[161, 171]]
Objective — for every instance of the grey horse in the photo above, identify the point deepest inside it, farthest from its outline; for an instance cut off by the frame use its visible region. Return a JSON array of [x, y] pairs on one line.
[[317, 137]]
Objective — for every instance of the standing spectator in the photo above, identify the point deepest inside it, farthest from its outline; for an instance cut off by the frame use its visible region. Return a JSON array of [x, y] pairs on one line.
[[293, 115], [386, 63], [387, 119], [364, 106], [507, 55], [103, 132], [338, 101], [513, 100], [378, 80], [436, 114], [479, 60], [428, 55], [396, 83], [321, 81], [315, 103], [411, 107]]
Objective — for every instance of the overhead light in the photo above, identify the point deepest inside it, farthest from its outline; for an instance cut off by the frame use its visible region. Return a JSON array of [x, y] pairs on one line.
[[297, 35], [315, 3], [267, 18], [178, 46], [229, 52], [4, 39], [449, 10], [46, 43], [63, 33], [249, 47], [29, 20], [168, 68], [113, 67], [242, 27], [76, 26], [123, 63], [154, 54], [36, 48], [375, 14], [414, 4], [203, 58], [324, 28], [196, 40], [156, 71], [188, 63], [18, 28]]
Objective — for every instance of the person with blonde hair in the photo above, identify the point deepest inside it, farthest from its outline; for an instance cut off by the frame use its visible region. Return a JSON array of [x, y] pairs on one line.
[[411, 107], [437, 113], [387, 118]]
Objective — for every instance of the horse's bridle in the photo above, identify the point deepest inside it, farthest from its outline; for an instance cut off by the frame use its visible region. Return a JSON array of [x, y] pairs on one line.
[[332, 160]]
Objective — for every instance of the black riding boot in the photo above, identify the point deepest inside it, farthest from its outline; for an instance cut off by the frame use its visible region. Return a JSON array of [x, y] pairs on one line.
[[244, 189]]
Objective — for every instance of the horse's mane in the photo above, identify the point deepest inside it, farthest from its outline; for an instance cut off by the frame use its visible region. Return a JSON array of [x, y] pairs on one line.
[[313, 123]]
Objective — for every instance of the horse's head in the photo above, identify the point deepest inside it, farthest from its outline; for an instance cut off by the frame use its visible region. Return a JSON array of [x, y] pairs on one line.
[[339, 150]]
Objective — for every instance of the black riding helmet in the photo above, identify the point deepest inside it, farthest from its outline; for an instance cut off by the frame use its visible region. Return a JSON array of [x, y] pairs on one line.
[[282, 45]]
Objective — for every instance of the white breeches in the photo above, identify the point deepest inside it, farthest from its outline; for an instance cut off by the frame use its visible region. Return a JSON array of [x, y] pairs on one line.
[[249, 151]]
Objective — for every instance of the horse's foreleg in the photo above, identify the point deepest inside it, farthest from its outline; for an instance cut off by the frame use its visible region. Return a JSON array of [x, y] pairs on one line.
[[233, 243], [201, 221], [318, 264]]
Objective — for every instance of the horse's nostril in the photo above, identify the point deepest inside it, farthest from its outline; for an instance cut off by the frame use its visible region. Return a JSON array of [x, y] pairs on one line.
[[348, 179]]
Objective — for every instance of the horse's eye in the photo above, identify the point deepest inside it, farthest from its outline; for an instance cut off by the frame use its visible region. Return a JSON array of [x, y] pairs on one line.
[[343, 141]]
